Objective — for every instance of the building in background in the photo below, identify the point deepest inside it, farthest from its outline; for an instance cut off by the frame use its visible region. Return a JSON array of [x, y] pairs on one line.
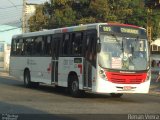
[[6, 33], [4, 56], [155, 46], [29, 10]]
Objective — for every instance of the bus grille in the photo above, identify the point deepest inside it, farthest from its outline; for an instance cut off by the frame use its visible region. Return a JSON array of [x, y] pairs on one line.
[[126, 78]]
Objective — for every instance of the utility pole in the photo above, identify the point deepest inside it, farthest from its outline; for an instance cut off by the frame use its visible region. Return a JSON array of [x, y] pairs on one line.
[[151, 5], [24, 16], [149, 24]]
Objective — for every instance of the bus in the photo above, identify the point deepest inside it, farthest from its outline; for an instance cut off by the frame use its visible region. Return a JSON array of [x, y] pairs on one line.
[[84, 58]]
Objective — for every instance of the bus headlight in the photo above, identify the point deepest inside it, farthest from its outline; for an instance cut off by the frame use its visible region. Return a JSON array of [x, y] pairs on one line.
[[148, 75], [102, 73]]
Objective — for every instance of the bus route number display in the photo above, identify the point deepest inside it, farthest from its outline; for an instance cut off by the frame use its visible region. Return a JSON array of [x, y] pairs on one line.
[[106, 29], [118, 29]]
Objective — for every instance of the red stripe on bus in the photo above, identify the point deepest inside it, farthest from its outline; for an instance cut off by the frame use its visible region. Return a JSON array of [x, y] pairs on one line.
[[64, 30], [49, 68], [80, 67], [126, 78], [125, 25]]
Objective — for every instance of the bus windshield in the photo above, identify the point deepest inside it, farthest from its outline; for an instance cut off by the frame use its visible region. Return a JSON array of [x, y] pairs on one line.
[[123, 52]]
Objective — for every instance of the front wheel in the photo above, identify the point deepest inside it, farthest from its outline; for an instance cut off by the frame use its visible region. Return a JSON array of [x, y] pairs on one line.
[[116, 95]]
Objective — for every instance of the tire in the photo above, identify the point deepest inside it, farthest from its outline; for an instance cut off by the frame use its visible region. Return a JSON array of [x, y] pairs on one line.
[[116, 95], [74, 86], [27, 79]]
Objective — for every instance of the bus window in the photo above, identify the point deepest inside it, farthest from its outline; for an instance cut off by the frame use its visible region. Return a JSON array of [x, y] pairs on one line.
[[46, 45], [37, 50], [90, 47], [76, 43], [29, 46], [18, 47], [65, 43], [13, 48]]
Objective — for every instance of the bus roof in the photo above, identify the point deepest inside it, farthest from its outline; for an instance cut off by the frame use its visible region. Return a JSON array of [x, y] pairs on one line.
[[71, 29]]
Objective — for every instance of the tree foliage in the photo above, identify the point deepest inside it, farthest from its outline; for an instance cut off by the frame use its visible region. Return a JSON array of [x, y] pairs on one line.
[[39, 20], [62, 13]]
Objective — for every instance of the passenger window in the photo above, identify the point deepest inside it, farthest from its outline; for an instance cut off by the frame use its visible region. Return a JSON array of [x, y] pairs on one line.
[[17, 47], [13, 50], [20, 47], [29, 46], [46, 45], [65, 43], [76, 43], [38, 42]]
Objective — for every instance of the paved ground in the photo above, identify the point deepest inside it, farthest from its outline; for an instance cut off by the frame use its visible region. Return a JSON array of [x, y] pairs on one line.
[[34, 102], [154, 87]]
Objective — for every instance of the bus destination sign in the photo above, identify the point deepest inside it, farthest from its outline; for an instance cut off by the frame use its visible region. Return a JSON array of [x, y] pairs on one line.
[[118, 29]]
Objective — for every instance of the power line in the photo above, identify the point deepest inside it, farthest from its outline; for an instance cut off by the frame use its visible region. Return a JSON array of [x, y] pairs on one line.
[[10, 10], [9, 14], [13, 4], [9, 29], [10, 7]]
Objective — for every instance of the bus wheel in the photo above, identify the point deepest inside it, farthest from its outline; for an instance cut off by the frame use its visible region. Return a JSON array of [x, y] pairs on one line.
[[27, 79], [116, 95], [74, 86]]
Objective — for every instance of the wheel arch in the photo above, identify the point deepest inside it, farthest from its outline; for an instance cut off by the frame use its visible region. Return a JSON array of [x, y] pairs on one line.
[[71, 73], [25, 70]]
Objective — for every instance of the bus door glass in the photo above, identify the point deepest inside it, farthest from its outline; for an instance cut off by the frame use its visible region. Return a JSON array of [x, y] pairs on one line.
[[90, 56], [55, 55]]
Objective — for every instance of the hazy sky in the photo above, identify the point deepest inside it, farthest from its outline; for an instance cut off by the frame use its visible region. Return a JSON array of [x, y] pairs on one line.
[[11, 14]]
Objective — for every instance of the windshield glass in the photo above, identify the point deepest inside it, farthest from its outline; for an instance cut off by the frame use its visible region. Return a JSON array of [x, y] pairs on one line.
[[124, 53]]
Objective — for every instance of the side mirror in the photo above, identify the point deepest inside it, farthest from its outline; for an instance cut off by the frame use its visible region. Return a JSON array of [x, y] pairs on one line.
[[98, 45]]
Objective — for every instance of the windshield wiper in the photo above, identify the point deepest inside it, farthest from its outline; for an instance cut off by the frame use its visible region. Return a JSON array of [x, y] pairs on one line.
[[129, 58], [121, 46]]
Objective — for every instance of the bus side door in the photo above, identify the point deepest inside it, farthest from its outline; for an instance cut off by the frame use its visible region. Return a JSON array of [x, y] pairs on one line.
[[55, 55], [90, 57]]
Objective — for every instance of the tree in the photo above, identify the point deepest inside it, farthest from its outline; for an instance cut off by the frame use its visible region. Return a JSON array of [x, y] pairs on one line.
[[62, 13], [63, 17], [119, 9], [139, 14], [39, 20]]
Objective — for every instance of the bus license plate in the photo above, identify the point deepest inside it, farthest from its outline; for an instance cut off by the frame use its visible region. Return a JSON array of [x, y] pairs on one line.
[[127, 88]]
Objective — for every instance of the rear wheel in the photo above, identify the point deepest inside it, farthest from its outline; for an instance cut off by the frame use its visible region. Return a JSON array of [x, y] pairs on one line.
[[27, 79], [74, 86], [116, 95]]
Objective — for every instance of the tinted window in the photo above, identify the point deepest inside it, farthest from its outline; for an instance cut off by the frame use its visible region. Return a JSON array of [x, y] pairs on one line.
[[65, 43], [29, 45], [76, 43], [90, 46], [38, 46], [17, 47], [47, 45]]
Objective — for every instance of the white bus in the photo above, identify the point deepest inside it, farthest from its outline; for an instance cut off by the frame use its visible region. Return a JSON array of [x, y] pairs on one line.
[[84, 58]]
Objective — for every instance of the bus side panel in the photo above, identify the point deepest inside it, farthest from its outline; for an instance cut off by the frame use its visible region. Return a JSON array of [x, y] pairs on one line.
[[94, 76], [17, 66], [41, 69], [67, 65], [89, 75]]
